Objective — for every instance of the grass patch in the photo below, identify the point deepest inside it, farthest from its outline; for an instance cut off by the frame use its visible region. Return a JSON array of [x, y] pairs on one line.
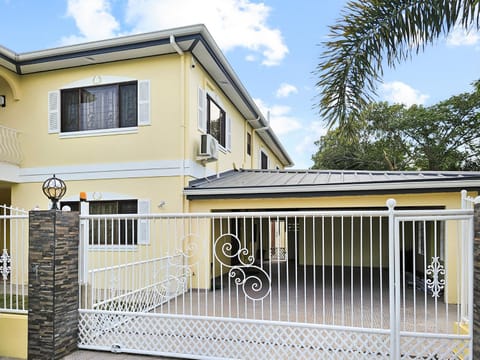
[[11, 301]]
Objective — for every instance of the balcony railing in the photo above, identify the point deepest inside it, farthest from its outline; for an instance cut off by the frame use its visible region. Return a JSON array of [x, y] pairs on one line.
[[10, 146]]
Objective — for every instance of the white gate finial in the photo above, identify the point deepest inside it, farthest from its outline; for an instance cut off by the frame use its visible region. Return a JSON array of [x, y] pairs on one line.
[[391, 203]]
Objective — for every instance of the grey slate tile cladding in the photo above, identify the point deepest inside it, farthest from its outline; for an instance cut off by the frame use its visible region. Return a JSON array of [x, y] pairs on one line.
[[53, 284]]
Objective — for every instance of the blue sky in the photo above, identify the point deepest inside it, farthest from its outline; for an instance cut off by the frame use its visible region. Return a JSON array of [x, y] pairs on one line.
[[274, 47]]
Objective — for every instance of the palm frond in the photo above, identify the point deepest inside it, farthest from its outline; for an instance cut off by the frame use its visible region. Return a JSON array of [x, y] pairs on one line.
[[371, 32]]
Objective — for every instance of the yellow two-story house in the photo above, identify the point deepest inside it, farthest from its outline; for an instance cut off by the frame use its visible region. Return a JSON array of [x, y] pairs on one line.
[[128, 121], [160, 123]]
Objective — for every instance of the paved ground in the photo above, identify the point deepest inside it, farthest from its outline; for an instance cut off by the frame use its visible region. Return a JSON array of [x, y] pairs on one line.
[[100, 355], [305, 298]]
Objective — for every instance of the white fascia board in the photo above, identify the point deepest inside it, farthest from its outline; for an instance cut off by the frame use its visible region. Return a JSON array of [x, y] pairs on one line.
[[335, 188], [127, 170], [111, 43]]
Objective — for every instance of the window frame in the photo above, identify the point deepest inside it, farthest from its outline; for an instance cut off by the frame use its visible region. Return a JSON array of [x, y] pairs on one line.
[[222, 140], [119, 108], [119, 225]]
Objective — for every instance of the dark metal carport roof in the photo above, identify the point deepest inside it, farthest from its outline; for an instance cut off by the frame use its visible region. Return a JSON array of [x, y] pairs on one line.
[[245, 183]]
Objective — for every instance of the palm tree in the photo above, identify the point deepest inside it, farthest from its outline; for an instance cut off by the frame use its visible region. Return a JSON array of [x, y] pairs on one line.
[[371, 31]]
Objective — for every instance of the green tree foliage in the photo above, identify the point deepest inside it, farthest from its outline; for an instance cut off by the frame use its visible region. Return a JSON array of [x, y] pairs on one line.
[[371, 32], [445, 136]]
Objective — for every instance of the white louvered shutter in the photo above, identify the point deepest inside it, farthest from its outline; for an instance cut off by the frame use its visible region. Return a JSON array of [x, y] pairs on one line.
[[54, 111], [143, 230], [228, 130], [202, 116], [143, 102]]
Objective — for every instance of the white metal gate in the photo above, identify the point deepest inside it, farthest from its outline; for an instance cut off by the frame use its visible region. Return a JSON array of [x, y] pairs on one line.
[[13, 260], [279, 285], [437, 292]]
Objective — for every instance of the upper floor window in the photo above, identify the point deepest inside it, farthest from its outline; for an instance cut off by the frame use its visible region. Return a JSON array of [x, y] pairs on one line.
[[249, 144], [213, 119], [263, 160], [103, 105], [216, 121], [99, 107]]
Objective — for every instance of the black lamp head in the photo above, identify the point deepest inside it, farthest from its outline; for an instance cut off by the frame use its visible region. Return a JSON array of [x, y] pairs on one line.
[[54, 189]]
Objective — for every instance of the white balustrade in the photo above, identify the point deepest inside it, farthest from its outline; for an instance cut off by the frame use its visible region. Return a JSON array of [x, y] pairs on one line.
[[10, 150]]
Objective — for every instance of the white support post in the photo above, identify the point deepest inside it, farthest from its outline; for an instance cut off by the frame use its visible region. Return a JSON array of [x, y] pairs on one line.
[[394, 278], [83, 249]]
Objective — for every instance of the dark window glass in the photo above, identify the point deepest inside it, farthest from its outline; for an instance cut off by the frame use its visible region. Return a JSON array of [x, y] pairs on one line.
[[263, 160], [70, 110], [99, 107], [249, 144], [128, 105]]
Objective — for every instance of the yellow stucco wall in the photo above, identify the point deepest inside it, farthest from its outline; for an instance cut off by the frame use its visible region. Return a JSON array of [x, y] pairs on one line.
[[174, 85], [29, 196], [158, 141], [237, 156], [450, 200], [13, 335], [173, 134]]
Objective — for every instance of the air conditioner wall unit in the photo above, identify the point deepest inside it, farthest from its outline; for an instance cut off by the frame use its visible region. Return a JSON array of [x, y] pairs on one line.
[[208, 148]]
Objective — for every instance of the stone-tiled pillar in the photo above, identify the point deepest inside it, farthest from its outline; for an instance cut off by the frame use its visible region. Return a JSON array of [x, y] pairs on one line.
[[53, 284], [476, 284]]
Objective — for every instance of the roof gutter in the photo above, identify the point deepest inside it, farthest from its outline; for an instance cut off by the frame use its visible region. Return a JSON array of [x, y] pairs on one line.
[[175, 45]]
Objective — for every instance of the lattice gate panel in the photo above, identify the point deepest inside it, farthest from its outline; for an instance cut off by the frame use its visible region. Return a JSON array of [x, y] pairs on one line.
[[435, 348], [198, 337]]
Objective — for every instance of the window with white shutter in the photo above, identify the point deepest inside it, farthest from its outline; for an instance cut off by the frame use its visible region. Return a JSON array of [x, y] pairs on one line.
[[119, 231], [99, 107]]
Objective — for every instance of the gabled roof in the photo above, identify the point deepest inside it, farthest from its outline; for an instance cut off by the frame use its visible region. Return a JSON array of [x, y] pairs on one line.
[[195, 39], [302, 183]]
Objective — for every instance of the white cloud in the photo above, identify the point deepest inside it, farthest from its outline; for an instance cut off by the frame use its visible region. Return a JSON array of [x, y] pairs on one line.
[[233, 23], [280, 119], [313, 132], [461, 37], [297, 135], [286, 90], [398, 92], [93, 19]]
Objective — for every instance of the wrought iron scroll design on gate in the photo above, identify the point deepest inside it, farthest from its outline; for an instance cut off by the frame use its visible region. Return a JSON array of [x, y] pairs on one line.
[[435, 270], [190, 245], [5, 264], [252, 279]]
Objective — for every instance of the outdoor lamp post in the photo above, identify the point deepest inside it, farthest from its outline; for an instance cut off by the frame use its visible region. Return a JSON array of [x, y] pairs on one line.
[[54, 189]]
